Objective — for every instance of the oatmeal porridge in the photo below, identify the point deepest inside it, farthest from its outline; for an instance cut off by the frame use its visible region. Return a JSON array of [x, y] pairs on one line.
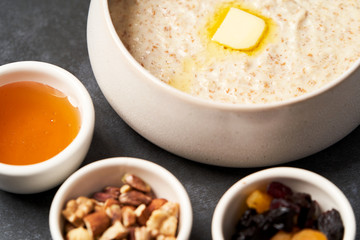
[[308, 44]]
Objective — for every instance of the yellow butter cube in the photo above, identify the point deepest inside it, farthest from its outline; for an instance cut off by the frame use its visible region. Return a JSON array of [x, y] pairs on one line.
[[240, 30]]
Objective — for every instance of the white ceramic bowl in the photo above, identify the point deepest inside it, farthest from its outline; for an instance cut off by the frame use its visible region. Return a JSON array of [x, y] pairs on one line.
[[108, 172], [214, 133], [45, 175], [232, 203]]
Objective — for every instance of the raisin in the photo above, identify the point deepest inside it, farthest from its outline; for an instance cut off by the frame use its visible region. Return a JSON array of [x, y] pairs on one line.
[[254, 226], [331, 225]]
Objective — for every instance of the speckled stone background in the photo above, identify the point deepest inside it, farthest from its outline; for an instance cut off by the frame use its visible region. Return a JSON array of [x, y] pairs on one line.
[[54, 31]]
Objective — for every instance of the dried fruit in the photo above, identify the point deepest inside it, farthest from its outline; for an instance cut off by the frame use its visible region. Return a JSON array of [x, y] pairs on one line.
[[331, 225], [259, 200], [309, 234], [288, 214]]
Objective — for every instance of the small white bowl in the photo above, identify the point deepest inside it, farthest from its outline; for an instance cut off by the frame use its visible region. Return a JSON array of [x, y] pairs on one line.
[[45, 175], [108, 172], [232, 203]]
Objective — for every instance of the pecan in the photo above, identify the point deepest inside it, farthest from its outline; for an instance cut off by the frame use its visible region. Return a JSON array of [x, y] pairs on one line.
[[116, 231], [142, 233], [114, 212], [79, 233], [156, 204], [134, 198], [97, 223], [77, 209], [144, 215], [114, 191], [102, 196], [107, 193], [165, 219], [128, 216], [136, 182], [125, 188]]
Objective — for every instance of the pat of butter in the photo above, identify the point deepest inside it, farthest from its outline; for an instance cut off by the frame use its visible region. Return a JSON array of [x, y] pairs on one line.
[[240, 30]]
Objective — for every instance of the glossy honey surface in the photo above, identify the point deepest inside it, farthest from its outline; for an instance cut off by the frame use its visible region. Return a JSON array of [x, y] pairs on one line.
[[36, 122]]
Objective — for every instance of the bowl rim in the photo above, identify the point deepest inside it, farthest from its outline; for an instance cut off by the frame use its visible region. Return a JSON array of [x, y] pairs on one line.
[[59, 198], [87, 116], [160, 85], [304, 175]]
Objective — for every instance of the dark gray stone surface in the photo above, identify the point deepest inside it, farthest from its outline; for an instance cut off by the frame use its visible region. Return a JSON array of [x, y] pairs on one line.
[[54, 31]]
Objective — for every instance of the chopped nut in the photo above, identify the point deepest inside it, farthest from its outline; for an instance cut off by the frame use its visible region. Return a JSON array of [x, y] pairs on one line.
[[165, 219], [128, 216], [162, 237], [114, 212], [110, 202], [141, 214], [79, 233], [116, 231], [97, 222], [171, 208], [145, 214], [114, 191], [107, 193], [136, 182], [142, 233], [125, 188], [131, 212], [156, 204], [134, 198], [77, 209], [169, 226], [102, 196], [139, 210], [156, 219], [68, 227]]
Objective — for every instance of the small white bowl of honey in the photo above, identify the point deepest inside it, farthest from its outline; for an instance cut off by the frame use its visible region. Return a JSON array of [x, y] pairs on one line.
[[46, 126]]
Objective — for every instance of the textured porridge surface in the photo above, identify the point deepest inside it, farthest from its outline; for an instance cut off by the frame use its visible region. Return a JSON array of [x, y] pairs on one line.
[[313, 42]]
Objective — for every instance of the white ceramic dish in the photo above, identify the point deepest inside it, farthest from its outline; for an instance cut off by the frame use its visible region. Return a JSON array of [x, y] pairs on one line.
[[214, 133], [45, 175], [232, 203], [108, 172]]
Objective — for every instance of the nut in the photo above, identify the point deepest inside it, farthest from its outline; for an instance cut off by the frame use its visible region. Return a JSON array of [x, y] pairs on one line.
[[156, 204], [171, 208], [77, 209], [134, 198], [136, 182], [163, 237], [169, 226], [114, 212], [165, 219], [130, 211], [128, 216], [79, 233], [116, 231], [107, 193], [125, 188], [142, 233], [97, 223]]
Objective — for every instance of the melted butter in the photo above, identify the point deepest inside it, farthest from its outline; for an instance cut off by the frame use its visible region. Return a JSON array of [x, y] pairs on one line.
[[218, 17], [182, 80]]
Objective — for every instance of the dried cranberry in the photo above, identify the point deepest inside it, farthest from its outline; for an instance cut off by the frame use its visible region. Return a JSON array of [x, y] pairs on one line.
[[331, 225], [280, 202], [278, 190]]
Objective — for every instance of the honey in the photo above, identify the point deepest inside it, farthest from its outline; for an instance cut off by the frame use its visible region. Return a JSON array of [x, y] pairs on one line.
[[36, 122]]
